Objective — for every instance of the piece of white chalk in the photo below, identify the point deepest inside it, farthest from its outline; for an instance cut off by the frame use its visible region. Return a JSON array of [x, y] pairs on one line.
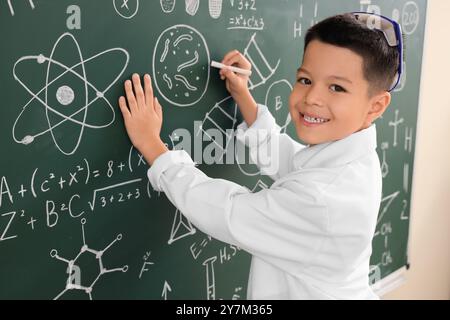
[[219, 65]]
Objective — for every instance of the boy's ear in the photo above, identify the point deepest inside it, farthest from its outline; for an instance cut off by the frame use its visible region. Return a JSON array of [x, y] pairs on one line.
[[378, 104]]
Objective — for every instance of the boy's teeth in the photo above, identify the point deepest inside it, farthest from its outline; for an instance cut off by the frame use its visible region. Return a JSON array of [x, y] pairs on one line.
[[315, 120]]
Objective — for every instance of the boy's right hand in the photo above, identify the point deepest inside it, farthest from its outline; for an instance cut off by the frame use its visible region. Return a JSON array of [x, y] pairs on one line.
[[236, 83]]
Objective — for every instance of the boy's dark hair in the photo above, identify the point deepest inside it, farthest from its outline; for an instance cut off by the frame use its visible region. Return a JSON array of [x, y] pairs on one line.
[[380, 61]]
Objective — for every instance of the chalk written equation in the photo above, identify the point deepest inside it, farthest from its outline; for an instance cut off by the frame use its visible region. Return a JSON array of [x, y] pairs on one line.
[[41, 186], [245, 16]]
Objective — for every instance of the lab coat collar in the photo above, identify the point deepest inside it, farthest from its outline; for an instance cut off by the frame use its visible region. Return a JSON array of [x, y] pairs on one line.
[[337, 153]]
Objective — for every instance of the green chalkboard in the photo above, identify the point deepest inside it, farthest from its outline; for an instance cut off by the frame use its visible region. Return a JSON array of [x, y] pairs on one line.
[[75, 202]]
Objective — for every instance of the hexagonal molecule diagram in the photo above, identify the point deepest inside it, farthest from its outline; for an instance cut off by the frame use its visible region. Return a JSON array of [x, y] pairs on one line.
[[74, 273]]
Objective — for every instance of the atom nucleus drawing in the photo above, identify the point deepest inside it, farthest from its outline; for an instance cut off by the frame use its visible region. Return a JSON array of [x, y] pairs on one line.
[[68, 103]]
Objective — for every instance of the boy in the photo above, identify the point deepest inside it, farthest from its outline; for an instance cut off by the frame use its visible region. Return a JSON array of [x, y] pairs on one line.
[[310, 234]]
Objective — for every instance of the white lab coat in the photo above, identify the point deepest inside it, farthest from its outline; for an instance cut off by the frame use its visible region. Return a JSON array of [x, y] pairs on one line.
[[310, 233]]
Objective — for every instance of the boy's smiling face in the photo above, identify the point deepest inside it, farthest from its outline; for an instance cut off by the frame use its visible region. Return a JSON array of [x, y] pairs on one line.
[[330, 99]]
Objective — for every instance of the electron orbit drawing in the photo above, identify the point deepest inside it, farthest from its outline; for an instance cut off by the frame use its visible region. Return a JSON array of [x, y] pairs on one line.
[[68, 99], [11, 7], [181, 65]]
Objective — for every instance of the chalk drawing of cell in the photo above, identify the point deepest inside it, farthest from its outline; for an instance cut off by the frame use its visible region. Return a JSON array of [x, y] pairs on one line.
[[127, 9], [192, 6], [181, 65], [167, 6], [215, 8], [67, 102]]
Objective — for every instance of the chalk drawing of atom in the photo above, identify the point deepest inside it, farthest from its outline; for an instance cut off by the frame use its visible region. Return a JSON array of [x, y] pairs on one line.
[[67, 103]]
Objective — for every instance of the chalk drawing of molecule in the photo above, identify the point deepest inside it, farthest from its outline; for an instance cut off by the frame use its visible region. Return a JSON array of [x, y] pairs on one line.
[[74, 275]]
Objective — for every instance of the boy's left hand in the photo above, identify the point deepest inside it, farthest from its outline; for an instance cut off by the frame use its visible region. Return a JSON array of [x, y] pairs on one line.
[[143, 117]]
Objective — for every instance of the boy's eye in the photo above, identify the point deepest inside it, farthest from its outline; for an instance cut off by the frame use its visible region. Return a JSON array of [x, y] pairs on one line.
[[304, 81], [337, 88]]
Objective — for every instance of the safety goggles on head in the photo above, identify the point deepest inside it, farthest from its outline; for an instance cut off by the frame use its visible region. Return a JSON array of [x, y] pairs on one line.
[[391, 31]]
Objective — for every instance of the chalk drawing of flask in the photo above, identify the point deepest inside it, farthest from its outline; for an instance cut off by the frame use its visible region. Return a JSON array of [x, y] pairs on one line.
[[192, 6], [215, 8], [167, 6]]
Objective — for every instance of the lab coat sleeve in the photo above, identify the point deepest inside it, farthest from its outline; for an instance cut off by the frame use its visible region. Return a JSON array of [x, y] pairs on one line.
[[287, 222], [269, 149]]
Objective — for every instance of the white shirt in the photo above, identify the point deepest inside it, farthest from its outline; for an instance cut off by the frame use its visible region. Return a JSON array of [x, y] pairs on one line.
[[310, 233]]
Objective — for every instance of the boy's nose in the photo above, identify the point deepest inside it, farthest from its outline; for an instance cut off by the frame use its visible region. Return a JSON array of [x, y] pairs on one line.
[[313, 96]]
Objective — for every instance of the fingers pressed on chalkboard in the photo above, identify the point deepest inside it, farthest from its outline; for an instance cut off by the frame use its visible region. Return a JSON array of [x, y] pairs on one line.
[[140, 98], [158, 108], [148, 90], [123, 107], [130, 96]]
